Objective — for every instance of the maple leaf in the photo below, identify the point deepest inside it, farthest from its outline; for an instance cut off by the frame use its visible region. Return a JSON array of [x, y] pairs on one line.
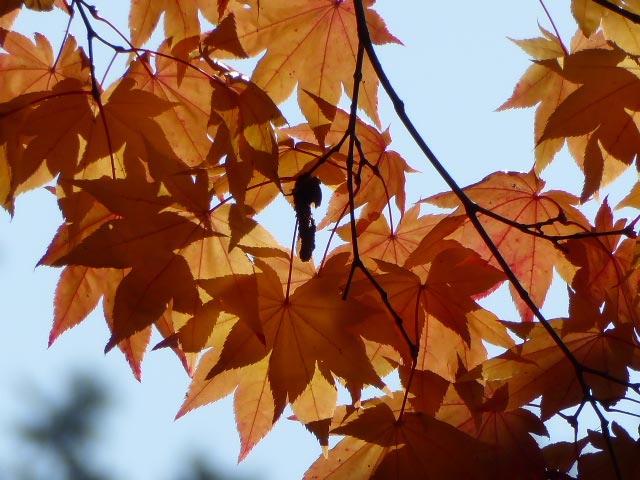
[[588, 14], [31, 67], [254, 403], [312, 44], [180, 20], [132, 238], [622, 31], [241, 124], [542, 83], [161, 176], [526, 368], [381, 443], [39, 87], [517, 454], [434, 294], [126, 128], [597, 465], [32, 158], [169, 246], [189, 91], [518, 197], [83, 214], [134, 345], [604, 109], [561, 456], [77, 294], [605, 269], [379, 241], [308, 337]]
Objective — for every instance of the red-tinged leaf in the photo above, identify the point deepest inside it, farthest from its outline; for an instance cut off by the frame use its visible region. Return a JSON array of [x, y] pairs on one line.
[[77, 294], [193, 336], [313, 326], [9, 10], [380, 445], [444, 352], [312, 44], [453, 276], [542, 84], [131, 134], [126, 242], [83, 215], [225, 272], [518, 197], [224, 38], [41, 136], [58, 127], [254, 403], [606, 270], [426, 390]]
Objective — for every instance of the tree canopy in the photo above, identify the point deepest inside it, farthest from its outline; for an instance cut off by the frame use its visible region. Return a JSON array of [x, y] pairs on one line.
[[164, 177]]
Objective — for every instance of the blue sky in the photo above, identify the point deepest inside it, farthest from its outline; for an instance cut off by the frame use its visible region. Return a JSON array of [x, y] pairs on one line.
[[455, 68]]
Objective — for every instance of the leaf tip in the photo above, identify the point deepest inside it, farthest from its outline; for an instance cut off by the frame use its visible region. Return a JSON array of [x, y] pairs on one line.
[[110, 344]]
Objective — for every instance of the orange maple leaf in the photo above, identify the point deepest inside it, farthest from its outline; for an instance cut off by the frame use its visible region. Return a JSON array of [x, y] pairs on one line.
[[311, 43], [180, 20], [380, 442], [254, 403], [605, 269], [516, 452], [542, 83], [379, 241], [604, 109], [537, 366], [31, 67], [518, 197]]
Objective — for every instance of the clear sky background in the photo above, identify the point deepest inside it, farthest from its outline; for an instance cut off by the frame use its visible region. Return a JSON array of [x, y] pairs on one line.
[[455, 68]]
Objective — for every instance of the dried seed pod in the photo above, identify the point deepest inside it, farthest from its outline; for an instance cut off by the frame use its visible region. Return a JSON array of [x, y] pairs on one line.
[[305, 192]]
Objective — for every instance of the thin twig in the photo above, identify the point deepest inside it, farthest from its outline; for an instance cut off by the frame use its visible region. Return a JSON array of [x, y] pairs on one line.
[[634, 17], [555, 29]]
